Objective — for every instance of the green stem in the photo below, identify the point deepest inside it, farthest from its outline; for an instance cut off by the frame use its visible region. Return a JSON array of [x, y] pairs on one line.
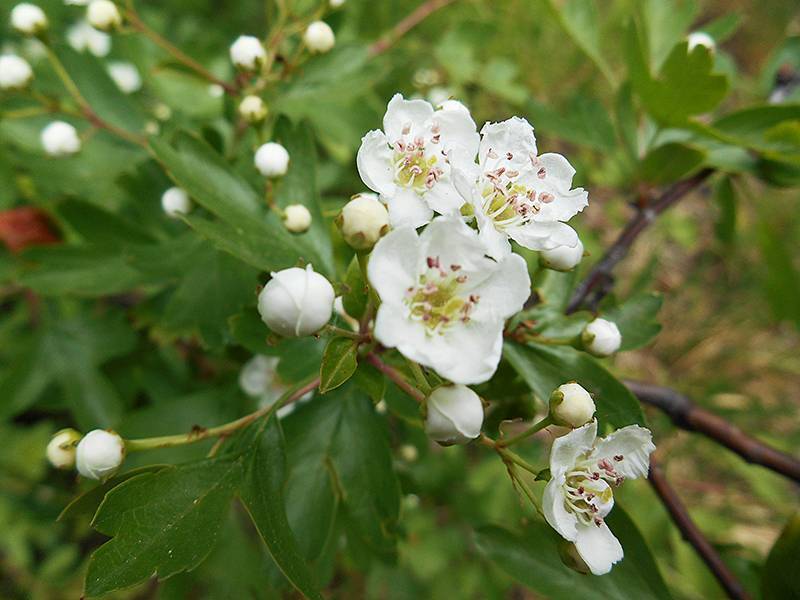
[[517, 460], [419, 376], [527, 433], [338, 331]]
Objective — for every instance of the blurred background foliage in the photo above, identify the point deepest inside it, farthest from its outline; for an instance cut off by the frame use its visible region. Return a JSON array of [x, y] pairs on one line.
[[78, 348]]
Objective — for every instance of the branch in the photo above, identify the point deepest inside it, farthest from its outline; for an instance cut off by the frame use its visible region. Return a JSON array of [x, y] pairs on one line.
[[599, 280], [422, 12], [396, 376], [687, 415], [693, 535]]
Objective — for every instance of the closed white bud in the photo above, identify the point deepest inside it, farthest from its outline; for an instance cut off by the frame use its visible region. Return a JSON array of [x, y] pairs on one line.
[[28, 19], [61, 449], [15, 72], [571, 405], [176, 202], [60, 139], [296, 218], [337, 3], [83, 36], [272, 160], [247, 53], [253, 109], [103, 15], [601, 337], [319, 37], [562, 258], [409, 452], [126, 76], [99, 454], [701, 38], [363, 221], [296, 302], [455, 415]]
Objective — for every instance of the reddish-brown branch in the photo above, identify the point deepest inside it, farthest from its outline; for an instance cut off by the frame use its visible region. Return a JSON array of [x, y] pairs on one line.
[[693, 535], [598, 282], [422, 12], [396, 376], [687, 415]]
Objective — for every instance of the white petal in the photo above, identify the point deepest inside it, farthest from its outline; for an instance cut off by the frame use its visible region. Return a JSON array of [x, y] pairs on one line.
[[457, 128], [466, 353], [374, 161], [443, 197], [513, 136], [558, 181], [394, 329], [544, 236], [401, 113], [454, 243], [494, 241], [598, 547], [506, 290], [464, 172], [563, 521], [634, 444], [407, 209], [392, 266], [568, 448]]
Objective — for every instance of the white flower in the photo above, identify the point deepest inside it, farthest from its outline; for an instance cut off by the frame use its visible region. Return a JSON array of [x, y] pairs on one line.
[[103, 15], [99, 454], [438, 95], [176, 202], [126, 76], [15, 72], [455, 415], [601, 337], [517, 194], [247, 53], [579, 495], [562, 258], [259, 378], [407, 163], [61, 448], [272, 160], [571, 405], [363, 221], [253, 109], [443, 302], [319, 37], [296, 218], [28, 19], [296, 302], [60, 139], [83, 36], [701, 38]]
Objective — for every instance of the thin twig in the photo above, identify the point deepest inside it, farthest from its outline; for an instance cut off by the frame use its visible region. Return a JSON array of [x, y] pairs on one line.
[[598, 281], [693, 535], [687, 415], [422, 12], [396, 376]]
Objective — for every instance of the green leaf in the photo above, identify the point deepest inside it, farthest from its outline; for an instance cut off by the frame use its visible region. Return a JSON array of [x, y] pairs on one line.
[[544, 368], [532, 558], [780, 578], [354, 298], [636, 319], [262, 495], [338, 363], [585, 121], [666, 22], [725, 195], [671, 162]]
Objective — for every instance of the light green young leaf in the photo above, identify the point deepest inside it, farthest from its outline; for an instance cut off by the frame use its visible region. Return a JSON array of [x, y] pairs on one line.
[[338, 363]]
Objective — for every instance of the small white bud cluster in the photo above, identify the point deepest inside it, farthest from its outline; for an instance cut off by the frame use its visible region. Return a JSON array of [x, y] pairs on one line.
[[319, 37], [99, 454], [296, 218], [363, 221], [272, 160], [601, 337], [28, 19], [15, 72], [103, 15], [571, 405], [562, 258], [61, 449], [60, 139], [176, 202], [247, 53], [253, 109], [296, 302], [455, 415], [126, 76]]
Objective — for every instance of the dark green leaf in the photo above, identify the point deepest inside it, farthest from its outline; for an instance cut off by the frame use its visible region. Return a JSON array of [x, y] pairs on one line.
[[781, 576], [725, 195], [338, 363], [671, 162], [636, 319], [354, 299]]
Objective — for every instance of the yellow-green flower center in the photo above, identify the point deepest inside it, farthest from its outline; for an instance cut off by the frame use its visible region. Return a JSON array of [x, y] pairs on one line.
[[412, 168], [438, 301]]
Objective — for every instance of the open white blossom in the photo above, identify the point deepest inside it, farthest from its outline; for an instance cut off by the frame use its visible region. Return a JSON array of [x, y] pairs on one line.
[[516, 193], [443, 302], [83, 36], [126, 76], [584, 470], [15, 72], [408, 162]]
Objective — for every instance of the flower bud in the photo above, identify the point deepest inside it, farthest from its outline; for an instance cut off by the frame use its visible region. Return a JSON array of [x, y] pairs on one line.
[[61, 449], [253, 109], [60, 139], [409, 453], [337, 3], [247, 53], [126, 76], [103, 15], [83, 36], [319, 37], [363, 221], [15, 72], [601, 337], [455, 415], [28, 19], [562, 258], [571, 405], [296, 302], [701, 38], [99, 454], [296, 218], [272, 160], [176, 202]]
